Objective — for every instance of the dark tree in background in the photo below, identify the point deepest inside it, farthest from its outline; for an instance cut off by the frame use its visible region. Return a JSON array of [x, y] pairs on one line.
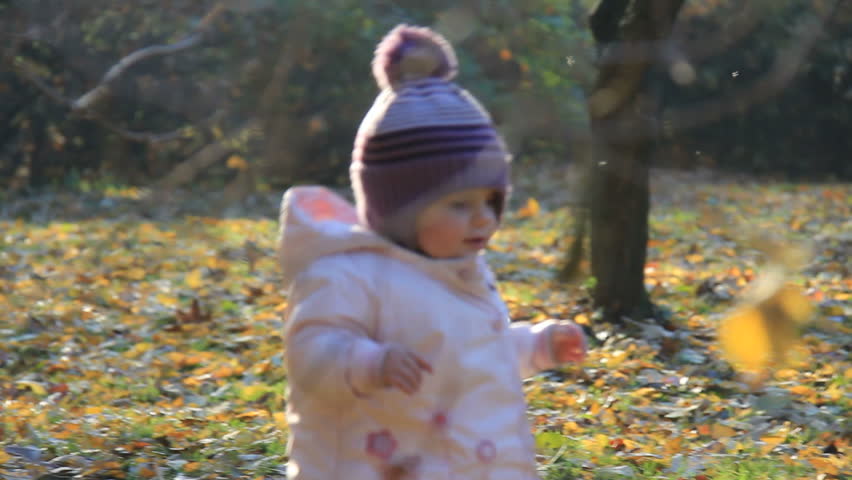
[[640, 50]]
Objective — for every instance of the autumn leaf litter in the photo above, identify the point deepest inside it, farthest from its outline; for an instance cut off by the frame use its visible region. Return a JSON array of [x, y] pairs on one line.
[[141, 339]]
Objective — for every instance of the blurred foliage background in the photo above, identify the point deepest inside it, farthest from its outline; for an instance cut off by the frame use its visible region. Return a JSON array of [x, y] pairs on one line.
[[270, 92]]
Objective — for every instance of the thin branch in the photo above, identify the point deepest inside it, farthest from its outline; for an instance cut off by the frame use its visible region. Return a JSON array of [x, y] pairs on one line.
[[29, 73], [194, 38], [784, 69], [741, 24], [645, 51], [102, 89], [82, 105], [202, 159]]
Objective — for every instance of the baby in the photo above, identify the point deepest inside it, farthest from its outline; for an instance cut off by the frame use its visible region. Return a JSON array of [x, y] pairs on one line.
[[402, 360]]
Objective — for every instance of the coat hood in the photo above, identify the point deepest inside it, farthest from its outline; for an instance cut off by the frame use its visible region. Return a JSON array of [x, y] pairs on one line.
[[316, 222]]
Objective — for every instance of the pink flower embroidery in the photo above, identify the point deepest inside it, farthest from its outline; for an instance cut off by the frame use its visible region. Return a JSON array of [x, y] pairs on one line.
[[381, 444], [486, 451], [440, 419]]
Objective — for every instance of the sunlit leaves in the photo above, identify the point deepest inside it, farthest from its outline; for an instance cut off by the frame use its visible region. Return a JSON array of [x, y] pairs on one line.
[[643, 395], [150, 342]]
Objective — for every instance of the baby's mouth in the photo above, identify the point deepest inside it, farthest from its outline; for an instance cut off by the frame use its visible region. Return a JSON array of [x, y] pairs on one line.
[[476, 241]]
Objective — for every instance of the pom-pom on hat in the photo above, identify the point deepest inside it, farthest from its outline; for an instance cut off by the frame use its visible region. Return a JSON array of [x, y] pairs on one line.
[[424, 136], [410, 53]]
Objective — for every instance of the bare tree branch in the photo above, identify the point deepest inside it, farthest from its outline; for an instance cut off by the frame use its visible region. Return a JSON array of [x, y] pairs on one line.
[[208, 155], [102, 89], [83, 105], [739, 25], [785, 67], [194, 38], [29, 73]]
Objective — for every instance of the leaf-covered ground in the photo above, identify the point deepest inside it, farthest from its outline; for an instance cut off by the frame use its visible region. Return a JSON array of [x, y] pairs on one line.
[[141, 338]]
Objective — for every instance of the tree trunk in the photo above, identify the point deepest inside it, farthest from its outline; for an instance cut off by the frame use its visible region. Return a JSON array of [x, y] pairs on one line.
[[619, 195], [619, 229]]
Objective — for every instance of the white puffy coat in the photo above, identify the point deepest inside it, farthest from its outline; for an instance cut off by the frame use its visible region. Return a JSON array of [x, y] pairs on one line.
[[352, 293]]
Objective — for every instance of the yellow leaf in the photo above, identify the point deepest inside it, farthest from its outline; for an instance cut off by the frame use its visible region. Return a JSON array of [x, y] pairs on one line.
[[597, 444], [608, 417], [802, 390], [760, 334], [569, 428], [217, 263], [771, 442], [280, 419], [786, 374], [35, 387], [531, 209], [191, 467], [138, 349], [582, 319], [194, 279], [4, 457], [237, 162], [673, 445], [146, 472], [135, 273], [824, 465], [253, 414], [167, 300], [641, 392], [251, 393], [718, 431], [834, 393], [695, 258]]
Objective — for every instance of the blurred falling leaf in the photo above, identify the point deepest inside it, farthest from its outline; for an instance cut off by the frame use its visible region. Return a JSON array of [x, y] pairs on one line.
[[194, 279], [237, 162], [531, 209], [760, 333]]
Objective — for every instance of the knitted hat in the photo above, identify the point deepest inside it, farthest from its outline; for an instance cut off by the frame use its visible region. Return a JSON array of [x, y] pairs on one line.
[[423, 138]]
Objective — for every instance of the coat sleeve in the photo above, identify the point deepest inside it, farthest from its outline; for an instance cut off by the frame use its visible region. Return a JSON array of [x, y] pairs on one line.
[[330, 353], [533, 346]]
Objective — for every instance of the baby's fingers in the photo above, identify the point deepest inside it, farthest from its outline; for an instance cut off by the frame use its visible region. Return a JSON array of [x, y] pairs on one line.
[[422, 364], [403, 382]]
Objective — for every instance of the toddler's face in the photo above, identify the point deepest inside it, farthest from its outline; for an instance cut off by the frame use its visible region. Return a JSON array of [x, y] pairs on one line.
[[458, 224]]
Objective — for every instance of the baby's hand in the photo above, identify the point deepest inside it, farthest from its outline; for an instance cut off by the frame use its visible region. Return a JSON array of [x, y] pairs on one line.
[[401, 369], [569, 343]]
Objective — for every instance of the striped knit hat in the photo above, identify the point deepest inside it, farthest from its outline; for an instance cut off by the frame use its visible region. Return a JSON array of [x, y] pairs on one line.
[[423, 138]]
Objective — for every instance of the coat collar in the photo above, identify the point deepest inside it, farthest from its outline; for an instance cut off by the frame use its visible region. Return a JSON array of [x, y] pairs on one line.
[[316, 222]]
